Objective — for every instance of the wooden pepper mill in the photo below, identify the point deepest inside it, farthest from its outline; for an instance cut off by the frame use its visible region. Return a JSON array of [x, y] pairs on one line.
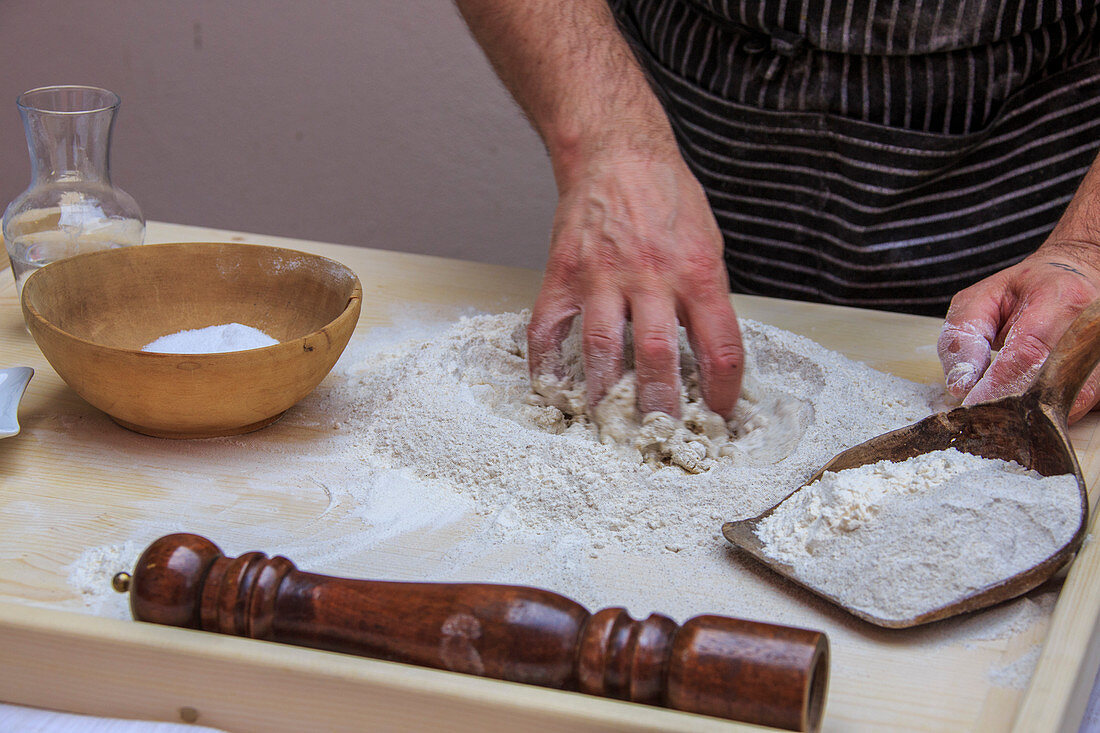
[[714, 665]]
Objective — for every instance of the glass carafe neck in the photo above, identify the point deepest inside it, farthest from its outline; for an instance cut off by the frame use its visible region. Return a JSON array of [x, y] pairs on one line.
[[69, 132]]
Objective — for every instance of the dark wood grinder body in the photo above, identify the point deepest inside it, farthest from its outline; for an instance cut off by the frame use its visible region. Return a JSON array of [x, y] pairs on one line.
[[713, 665]]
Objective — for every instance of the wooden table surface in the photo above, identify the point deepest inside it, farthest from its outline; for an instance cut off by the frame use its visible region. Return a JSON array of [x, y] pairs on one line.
[[64, 488]]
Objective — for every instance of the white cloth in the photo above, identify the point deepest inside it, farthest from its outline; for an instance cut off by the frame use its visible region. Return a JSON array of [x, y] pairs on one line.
[[1091, 722], [21, 719]]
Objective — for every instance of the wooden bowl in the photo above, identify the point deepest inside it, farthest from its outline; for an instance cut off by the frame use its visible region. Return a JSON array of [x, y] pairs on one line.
[[91, 314]]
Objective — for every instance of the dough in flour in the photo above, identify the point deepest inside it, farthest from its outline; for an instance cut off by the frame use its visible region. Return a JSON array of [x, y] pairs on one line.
[[766, 423]]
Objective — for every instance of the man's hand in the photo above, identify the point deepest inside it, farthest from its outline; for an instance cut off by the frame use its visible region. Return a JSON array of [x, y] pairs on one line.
[[1022, 311], [634, 238]]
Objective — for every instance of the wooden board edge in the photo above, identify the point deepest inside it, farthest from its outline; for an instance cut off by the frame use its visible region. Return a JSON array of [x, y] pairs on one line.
[[1062, 683], [1054, 699], [96, 666]]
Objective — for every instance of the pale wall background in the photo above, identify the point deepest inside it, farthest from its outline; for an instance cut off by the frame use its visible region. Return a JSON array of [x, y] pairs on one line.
[[373, 122]]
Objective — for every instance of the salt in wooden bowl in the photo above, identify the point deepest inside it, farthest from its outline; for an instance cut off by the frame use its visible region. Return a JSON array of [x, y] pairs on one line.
[[92, 313]]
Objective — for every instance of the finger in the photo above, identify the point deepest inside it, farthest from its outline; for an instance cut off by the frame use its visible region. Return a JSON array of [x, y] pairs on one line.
[[964, 350], [602, 339], [966, 339], [1026, 346], [1086, 398], [716, 341], [656, 355], [550, 321]]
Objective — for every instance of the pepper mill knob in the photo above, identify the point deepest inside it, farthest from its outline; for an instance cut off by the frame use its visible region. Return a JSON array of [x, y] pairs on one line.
[[713, 665], [166, 585]]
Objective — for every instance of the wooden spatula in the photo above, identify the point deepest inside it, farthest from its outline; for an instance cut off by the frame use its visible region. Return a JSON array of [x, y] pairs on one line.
[[1030, 429]]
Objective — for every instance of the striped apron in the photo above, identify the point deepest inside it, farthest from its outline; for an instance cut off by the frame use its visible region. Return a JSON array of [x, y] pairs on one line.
[[883, 154]]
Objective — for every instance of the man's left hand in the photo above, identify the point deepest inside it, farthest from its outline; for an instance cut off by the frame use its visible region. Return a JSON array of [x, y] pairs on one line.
[[1022, 311]]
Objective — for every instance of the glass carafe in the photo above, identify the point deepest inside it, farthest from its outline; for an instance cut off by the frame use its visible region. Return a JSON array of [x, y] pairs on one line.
[[71, 206]]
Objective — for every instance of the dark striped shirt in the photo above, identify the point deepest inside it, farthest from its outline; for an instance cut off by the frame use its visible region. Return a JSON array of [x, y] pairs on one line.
[[883, 154]]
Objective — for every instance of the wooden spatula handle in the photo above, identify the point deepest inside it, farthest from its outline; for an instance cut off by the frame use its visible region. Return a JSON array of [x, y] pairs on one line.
[[714, 665], [1070, 363]]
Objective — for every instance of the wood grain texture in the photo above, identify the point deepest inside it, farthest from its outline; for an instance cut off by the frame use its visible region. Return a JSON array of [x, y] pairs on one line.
[[68, 483]]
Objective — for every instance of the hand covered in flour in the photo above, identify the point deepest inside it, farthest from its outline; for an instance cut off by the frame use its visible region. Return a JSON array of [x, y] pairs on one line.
[[1023, 311], [634, 238]]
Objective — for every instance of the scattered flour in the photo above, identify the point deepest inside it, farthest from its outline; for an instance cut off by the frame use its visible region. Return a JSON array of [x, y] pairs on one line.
[[1017, 673], [91, 576], [425, 456], [211, 340], [1016, 618], [897, 540], [456, 412]]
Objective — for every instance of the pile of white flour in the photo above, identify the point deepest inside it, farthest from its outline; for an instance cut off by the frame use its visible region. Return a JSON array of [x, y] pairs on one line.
[[897, 540], [456, 413]]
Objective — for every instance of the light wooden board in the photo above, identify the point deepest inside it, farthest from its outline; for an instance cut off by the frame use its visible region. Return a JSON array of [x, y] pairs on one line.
[[63, 489]]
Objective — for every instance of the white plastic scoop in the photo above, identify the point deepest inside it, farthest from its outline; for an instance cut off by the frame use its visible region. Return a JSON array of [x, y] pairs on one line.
[[13, 382]]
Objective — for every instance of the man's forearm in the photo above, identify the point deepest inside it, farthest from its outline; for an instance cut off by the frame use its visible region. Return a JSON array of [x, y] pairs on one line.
[[574, 75]]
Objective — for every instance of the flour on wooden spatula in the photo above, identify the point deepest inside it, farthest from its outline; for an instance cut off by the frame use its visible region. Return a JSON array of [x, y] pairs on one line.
[[897, 540]]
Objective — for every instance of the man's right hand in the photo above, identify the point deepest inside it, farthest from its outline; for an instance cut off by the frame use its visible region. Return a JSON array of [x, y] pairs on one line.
[[634, 238]]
